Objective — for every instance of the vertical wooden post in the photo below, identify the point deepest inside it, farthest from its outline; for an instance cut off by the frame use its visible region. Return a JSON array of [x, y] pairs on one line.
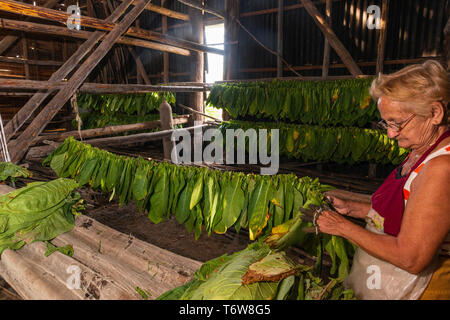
[[165, 116], [231, 31], [197, 61], [280, 38], [382, 37], [446, 54], [326, 49], [165, 54], [25, 56]]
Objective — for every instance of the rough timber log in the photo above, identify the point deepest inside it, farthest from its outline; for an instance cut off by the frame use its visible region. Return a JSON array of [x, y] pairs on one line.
[[81, 34], [99, 87], [52, 108], [106, 131], [111, 264], [9, 40]]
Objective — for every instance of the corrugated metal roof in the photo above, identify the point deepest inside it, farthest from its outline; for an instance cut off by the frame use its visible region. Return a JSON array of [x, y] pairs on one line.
[[415, 30]]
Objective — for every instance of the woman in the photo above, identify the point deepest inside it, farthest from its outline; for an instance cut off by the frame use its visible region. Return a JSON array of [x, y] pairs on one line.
[[402, 252]]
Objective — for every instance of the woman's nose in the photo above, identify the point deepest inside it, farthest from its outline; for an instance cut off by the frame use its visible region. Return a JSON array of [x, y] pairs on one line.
[[391, 133]]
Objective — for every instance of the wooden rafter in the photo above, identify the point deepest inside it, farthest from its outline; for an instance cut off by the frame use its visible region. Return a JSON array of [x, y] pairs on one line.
[[100, 87], [166, 12], [332, 38], [383, 36], [9, 40], [99, 24], [326, 49], [28, 61], [81, 34], [55, 104], [198, 6]]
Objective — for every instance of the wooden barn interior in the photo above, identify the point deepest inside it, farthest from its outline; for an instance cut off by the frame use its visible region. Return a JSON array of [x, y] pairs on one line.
[[108, 81]]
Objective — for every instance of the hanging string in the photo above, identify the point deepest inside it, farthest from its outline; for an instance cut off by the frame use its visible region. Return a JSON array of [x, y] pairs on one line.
[[74, 104], [3, 143]]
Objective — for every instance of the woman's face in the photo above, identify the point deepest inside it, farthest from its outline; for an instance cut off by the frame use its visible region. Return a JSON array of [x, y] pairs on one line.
[[411, 133]]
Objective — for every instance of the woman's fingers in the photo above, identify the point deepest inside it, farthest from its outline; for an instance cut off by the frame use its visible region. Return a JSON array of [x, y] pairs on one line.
[[339, 204], [330, 222]]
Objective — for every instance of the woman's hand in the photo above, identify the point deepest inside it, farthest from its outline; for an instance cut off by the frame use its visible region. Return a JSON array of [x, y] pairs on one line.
[[332, 223], [340, 205]]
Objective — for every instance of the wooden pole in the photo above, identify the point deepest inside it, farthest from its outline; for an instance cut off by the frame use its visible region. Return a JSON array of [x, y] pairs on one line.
[[52, 108], [99, 88], [25, 56], [66, 32], [165, 54], [446, 55], [382, 37], [165, 116], [61, 17], [197, 61], [42, 151], [202, 7], [231, 28], [139, 67], [326, 49], [28, 109], [332, 38], [105, 131], [280, 39], [9, 40], [166, 12]]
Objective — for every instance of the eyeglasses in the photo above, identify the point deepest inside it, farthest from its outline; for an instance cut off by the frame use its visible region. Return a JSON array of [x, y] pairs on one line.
[[395, 126]]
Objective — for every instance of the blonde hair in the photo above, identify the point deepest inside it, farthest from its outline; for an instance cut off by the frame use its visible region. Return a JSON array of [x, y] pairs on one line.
[[418, 85]]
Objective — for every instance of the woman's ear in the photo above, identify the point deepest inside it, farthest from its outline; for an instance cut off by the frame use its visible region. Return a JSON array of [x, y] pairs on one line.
[[437, 113]]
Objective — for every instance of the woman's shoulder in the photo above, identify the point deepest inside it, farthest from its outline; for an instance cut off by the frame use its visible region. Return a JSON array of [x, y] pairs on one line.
[[438, 166]]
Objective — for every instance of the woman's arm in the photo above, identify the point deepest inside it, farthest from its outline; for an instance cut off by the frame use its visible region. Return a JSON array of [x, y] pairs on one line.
[[425, 224]]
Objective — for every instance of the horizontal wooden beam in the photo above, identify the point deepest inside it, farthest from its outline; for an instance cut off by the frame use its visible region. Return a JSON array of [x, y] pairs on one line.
[[99, 88], [43, 151], [197, 5], [318, 78], [137, 88], [27, 61], [275, 10], [81, 34], [341, 65], [166, 12], [106, 131], [62, 17]]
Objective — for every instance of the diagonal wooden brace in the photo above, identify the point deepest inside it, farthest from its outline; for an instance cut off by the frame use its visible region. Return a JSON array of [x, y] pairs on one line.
[[332, 38]]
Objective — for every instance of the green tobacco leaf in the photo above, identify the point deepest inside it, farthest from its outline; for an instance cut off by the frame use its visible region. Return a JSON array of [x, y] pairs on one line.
[[273, 267], [159, 200], [285, 288], [233, 203], [67, 250], [226, 283], [259, 207]]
